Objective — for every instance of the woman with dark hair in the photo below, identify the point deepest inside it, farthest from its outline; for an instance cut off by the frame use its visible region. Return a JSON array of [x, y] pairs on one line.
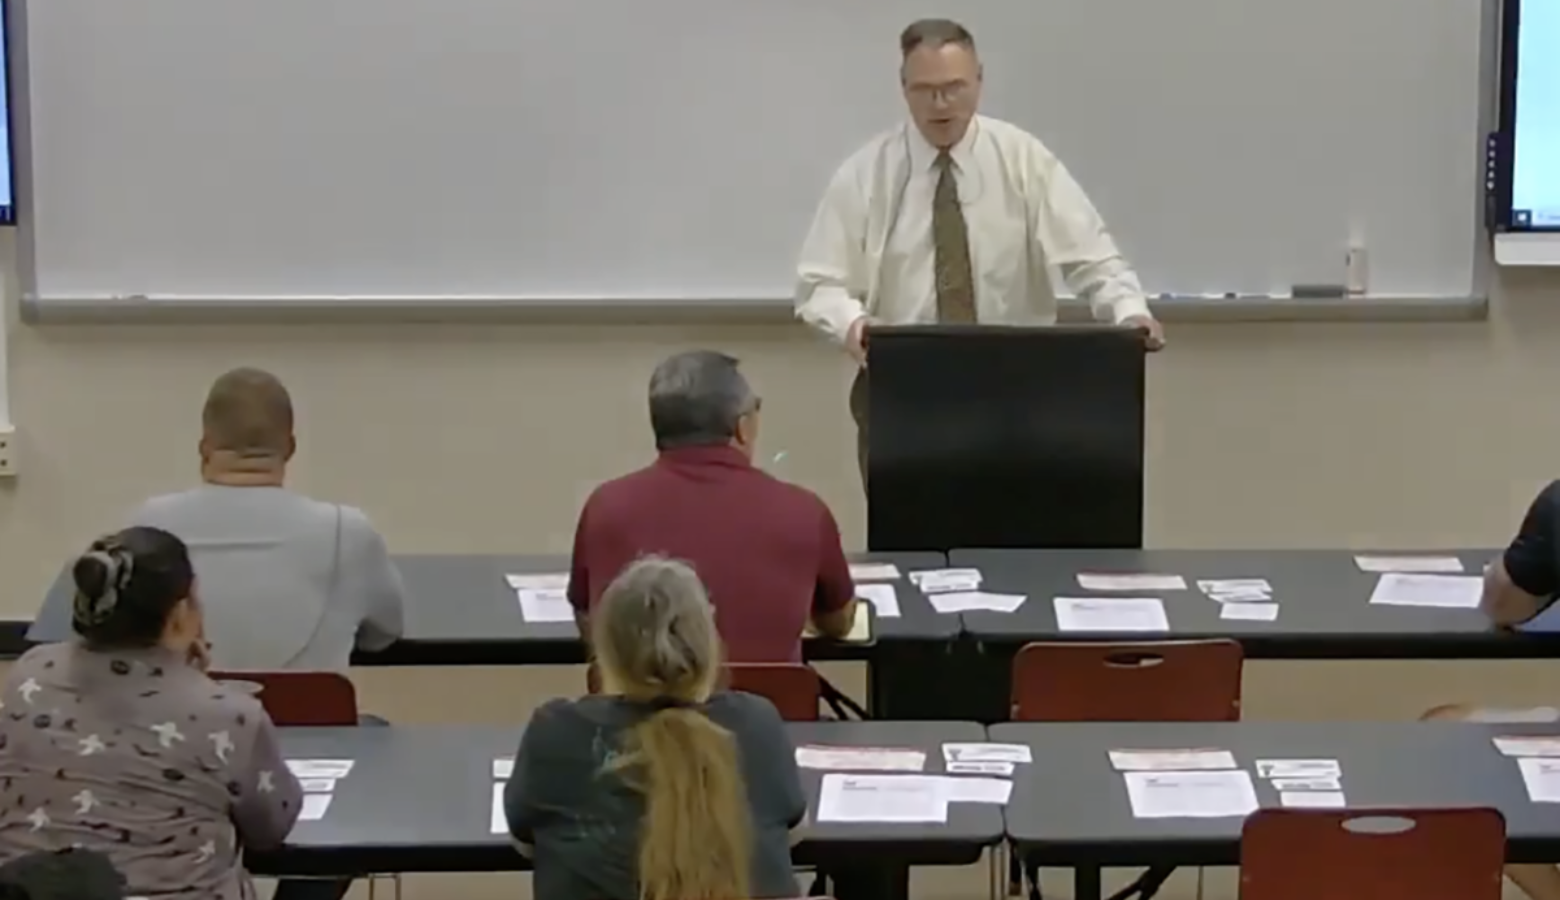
[[119, 743], [661, 787]]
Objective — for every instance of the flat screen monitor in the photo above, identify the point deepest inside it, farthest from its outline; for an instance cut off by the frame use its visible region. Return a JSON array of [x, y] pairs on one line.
[[1530, 107]]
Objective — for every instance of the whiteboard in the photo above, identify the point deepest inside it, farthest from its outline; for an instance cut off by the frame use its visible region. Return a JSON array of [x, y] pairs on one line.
[[621, 149]]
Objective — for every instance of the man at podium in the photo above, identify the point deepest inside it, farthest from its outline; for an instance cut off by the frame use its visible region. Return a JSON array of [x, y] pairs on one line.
[[954, 218]]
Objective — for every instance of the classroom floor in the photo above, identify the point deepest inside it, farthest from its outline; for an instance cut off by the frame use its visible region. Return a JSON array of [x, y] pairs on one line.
[[1301, 691]]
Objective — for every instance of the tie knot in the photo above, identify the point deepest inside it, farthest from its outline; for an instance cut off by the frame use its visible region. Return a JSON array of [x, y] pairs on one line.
[[944, 160]]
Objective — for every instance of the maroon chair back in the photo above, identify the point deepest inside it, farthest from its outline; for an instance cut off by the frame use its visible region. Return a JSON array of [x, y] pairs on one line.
[[1397, 854], [1148, 681], [793, 688], [298, 699]]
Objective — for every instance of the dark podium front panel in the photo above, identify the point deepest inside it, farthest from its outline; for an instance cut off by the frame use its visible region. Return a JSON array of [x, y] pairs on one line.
[[995, 437]]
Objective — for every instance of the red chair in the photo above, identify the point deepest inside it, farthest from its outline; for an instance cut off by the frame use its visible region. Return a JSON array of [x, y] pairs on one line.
[[299, 699], [793, 688], [1380, 854], [1151, 681], [1142, 681]]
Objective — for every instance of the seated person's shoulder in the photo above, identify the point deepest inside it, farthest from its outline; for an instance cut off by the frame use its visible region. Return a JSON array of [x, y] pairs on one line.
[[37, 659], [793, 497], [230, 700], [741, 712], [161, 508]]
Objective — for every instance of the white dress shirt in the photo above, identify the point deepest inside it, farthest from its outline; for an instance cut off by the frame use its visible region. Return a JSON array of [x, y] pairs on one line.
[[870, 248]]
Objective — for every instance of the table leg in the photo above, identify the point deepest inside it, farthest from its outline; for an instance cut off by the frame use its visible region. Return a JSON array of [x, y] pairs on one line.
[[1087, 883]]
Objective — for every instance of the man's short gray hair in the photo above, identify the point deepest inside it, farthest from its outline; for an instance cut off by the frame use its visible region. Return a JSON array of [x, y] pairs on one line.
[[696, 398]]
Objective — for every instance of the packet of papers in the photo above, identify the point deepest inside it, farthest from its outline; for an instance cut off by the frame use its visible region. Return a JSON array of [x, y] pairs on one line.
[[864, 759], [320, 768], [941, 581], [1099, 581], [1191, 795], [1312, 799], [1171, 760], [555, 581], [1380, 564], [873, 572], [982, 752], [1299, 768], [1439, 591], [883, 597], [545, 605], [1526, 745], [1110, 614]]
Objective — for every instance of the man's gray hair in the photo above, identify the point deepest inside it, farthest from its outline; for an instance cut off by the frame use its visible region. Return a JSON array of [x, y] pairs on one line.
[[696, 399]]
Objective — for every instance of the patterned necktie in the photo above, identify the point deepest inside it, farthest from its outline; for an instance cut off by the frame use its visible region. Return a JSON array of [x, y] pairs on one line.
[[951, 241]]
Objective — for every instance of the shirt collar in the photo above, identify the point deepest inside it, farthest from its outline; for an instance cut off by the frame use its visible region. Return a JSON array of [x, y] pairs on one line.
[[706, 455], [924, 156]]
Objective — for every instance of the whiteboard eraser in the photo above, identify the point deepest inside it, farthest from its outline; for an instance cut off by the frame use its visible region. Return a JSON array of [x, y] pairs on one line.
[[1317, 291]]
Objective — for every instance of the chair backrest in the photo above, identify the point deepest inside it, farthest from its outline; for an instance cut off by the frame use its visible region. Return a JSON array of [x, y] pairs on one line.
[[298, 699], [1150, 681], [793, 688], [1382, 854]]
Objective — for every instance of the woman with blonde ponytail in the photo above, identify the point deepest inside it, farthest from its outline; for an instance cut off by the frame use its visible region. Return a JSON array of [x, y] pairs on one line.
[[661, 787]]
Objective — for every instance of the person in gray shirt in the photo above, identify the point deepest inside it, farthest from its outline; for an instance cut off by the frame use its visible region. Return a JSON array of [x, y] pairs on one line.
[[288, 582]]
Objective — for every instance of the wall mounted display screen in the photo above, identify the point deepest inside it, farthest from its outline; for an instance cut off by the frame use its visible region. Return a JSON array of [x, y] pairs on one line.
[[7, 179], [1532, 111]]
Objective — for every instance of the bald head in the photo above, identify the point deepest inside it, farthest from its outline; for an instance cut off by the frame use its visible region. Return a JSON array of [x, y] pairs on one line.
[[248, 415]]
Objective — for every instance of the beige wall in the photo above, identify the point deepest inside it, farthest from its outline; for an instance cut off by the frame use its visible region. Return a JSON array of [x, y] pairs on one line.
[[484, 438]]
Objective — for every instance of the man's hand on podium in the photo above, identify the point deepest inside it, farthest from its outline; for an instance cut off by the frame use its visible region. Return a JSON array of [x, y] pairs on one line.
[[1153, 332], [856, 341]]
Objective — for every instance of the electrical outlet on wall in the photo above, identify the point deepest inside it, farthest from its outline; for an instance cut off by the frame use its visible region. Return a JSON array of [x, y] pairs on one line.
[[7, 451]]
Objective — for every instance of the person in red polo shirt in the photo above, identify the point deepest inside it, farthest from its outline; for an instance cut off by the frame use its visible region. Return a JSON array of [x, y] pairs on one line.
[[768, 551]]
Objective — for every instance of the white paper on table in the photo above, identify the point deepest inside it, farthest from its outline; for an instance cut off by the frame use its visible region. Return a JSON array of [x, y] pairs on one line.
[[972, 601], [978, 767], [1111, 614], [503, 767], [984, 752], [1299, 768], [870, 759], [1241, 597], [941, 581], [1542, 777], [1306, 784], [554, 581], [1525, 745], [1312, 799], [883, 597], [317, 785], [873, 572], [1171, 760], [1191, 795], [977, 790], [1095, 581], [1408, 563], [1249, 612], [314, 806], [1440, 591], [545, 605], [882, 798], [498, 821], [320, 768], [1235, 586]]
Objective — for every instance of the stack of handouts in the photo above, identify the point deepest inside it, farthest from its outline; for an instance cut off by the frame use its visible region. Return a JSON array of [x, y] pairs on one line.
[[1305, 783], [318, 778], [543, 598], [1538, 759], [845, 796], [1249, 599], [1175, 784], [958, 590]]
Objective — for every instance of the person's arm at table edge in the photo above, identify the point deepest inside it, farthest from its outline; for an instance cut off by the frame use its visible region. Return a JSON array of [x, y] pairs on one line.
[[528, 778], [378, 581], [579, 573], [269, 797], [1524, 580], [1087, 256], [831, 257], [780, 790], [834, 597]]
